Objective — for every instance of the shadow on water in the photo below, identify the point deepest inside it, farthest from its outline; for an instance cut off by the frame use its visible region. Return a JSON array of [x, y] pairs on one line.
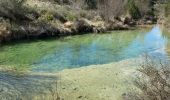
[[27, 87]]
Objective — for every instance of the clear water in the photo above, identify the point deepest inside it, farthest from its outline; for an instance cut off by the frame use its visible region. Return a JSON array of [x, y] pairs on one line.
[[104, 49], [84, 50]]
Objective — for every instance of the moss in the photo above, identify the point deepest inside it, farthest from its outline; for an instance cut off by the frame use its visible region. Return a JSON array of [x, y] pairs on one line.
[[21, 56]]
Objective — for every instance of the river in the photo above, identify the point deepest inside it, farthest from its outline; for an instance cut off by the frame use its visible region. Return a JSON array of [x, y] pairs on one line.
[[45, 58]]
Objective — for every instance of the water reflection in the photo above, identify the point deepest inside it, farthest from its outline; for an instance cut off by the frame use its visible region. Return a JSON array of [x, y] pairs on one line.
[[156, 43], [104, 49]]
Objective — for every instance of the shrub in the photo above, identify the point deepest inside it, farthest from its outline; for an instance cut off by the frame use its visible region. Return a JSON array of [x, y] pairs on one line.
[[47, 16], [12, 9], [153, 81], [133, 10]]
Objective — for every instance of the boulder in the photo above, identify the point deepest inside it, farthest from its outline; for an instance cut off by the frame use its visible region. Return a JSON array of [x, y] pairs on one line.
[[149, 22], [117, 25], [127, 20], [83, 26], [68, 24], [4, 33], [99, 29]]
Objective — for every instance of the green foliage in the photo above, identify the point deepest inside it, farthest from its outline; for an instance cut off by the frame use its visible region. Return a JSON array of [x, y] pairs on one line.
[[133, 10]]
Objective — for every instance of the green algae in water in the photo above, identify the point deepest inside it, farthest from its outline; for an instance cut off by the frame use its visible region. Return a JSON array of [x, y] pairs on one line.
[[27, 54], [76, 51], [24, 54]]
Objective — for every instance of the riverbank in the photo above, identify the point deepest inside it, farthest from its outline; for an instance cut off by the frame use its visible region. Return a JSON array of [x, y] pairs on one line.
[[95, 82], [98, 82], [27, 86], [48, 18]]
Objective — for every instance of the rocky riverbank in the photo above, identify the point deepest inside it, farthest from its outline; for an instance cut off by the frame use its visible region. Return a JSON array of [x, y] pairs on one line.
[[45, 18]]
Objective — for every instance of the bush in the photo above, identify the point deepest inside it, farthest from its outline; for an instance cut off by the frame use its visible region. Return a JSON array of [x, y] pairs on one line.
[[153, 81], [134, 10], [12, 9], [46, 16]]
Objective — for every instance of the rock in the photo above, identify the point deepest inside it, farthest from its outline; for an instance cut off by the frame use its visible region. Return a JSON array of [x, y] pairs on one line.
[[83, 25], [65, 32], [68, 24], [4, 33], [99, 29], [117, 25], [97, 18], [117, 18], [127, 20], [149, 22], [132, 23]]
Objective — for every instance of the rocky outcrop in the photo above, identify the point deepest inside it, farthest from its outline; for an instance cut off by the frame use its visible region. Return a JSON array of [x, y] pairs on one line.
[[116, 24], [83, 26], [28, 30]]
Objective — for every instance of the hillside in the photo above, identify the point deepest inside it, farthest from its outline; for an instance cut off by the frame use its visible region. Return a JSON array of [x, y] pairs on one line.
[[30, 19]]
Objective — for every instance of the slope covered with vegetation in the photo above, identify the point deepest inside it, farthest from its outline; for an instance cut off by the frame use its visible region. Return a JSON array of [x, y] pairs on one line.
[[27, 19]]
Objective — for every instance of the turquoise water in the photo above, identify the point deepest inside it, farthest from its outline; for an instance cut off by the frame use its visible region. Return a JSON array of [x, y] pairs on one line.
[[102, 49], [91, 49]]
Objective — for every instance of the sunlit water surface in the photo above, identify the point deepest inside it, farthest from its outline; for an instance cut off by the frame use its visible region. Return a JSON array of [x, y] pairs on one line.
[[105, 49], [91, 49]]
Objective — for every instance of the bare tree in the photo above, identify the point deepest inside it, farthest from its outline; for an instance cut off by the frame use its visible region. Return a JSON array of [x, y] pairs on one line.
[[111, 8]]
